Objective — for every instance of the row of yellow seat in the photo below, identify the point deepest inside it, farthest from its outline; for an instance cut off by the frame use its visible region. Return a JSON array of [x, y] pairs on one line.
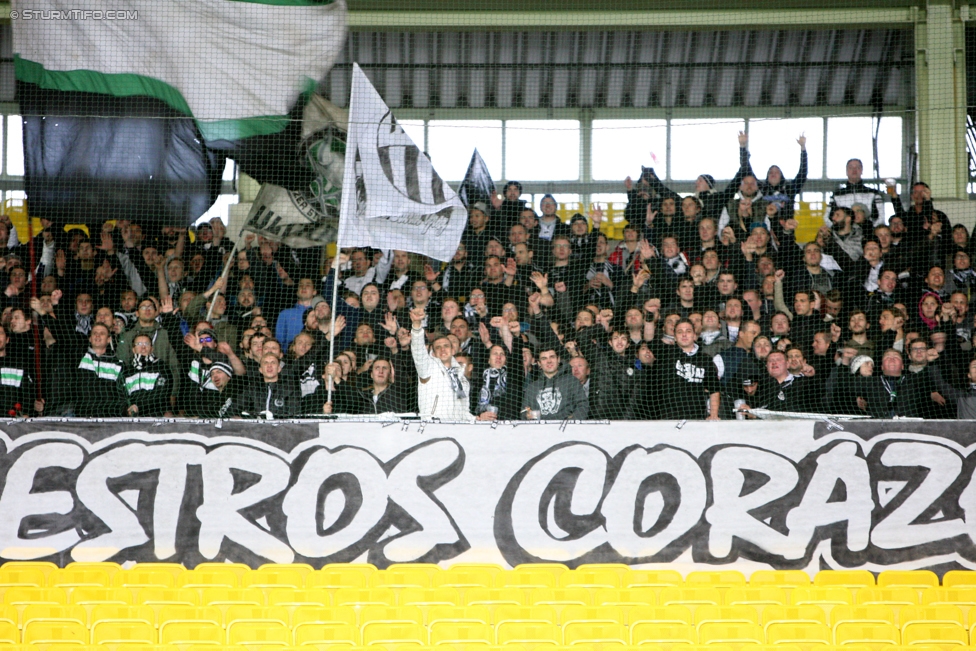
[[300, 576], [876, 636]]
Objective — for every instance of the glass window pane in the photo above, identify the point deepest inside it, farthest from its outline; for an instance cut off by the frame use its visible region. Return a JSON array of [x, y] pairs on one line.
[[848, 138], [542, 150], [889, 148], [15, 146], [451, 143], [414, 129], [705, 147], [773, 142], [230, 170], [620, 147]]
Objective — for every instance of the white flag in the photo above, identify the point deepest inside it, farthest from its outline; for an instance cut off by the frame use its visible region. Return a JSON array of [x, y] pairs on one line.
[[393, 198]]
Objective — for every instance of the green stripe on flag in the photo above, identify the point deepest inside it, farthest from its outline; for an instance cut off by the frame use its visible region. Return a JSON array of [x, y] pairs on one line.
[[132, 85]]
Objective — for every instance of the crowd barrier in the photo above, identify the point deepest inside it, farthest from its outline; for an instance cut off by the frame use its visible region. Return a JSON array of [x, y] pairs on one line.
[[801, 495]]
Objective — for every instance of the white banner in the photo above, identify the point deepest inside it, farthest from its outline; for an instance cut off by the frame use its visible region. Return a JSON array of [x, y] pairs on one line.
[[399, 202], [736, 494]]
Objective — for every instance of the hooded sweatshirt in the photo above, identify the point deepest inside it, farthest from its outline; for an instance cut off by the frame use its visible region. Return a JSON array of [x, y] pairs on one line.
[[560, 397]]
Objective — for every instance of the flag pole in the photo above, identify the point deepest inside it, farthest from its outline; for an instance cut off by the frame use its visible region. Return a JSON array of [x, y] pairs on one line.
[[225, 273], [335, 299]]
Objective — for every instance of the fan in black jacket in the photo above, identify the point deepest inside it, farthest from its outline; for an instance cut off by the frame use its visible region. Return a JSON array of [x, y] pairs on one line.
[[145, 382], [272, 398]]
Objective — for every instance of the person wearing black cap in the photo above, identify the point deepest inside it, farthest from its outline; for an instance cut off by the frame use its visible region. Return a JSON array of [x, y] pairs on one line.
[[506, 212], [145, 382]]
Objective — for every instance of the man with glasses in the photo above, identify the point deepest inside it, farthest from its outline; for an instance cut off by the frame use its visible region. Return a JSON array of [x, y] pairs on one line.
[[145, 382], [146, 324]]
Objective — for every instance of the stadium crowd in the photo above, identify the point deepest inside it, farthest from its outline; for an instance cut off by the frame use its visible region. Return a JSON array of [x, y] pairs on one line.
[[708, 308]]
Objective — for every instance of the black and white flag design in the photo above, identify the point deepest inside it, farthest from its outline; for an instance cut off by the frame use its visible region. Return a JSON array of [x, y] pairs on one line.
[[400, 201]]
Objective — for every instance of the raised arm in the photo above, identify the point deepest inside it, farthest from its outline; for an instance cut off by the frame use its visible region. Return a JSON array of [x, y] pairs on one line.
[[418, 344]]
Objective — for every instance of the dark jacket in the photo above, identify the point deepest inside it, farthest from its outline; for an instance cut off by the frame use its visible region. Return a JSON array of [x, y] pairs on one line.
[[560, 397], [281, 398]]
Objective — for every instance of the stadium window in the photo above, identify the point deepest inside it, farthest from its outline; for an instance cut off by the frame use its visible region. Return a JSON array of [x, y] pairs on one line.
[[851, 138], [542, 150], [773, 142], [220, 208], [705, 147], [451, 142], [621, 147], [15, 147], [230, 170]]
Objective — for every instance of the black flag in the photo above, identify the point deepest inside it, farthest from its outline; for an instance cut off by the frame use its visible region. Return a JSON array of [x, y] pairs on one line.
[[477, 184]]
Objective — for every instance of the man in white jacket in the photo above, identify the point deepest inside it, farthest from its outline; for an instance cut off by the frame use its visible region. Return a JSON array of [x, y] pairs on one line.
[[443, 390]]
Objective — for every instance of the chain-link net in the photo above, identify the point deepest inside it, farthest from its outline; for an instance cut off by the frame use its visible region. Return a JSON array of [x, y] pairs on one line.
[[286, 208]]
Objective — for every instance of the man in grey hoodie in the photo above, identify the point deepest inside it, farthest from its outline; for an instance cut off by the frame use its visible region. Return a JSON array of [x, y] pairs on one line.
[[557, 395]]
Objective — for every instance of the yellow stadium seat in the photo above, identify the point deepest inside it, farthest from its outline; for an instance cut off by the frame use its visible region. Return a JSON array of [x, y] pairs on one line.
[[622, 569], [959, 579], [524, 614], [174, 569], [562, 596], [448, 632], [945, 635], [135, 578], [462, 614], [335, 580], [794, 614], [725, 614], [475, 577], [919, 579], [786, 578], [45, 567], [590, 613], [313, 614], [365, 569], [42, 631], [401, 578], [377, 613], [325, 633], [715, 578], [299, 597], [709, 596], [805, 636], [168, 596], [107, 566], [271, 578], [526, 578], [170, 615], [705, 647], [962, 597], [240, 569], [664, 615], [94, 577], [826, 598], [584, 632], [734, 634], [9, 633], [192, 633], [53, 612], [875, 636], [18, 596], [221, 596], [393, 632], [208, 579], [874, 614], [528, 633], [364, 597], [114, 612], [501, 596], [758, 598], [625, 596], [553, 568], [428, 597], [590, 579], [851, 579], [138, 646], [28, 577], [302, 568], [259, 633], [116, 632], [664, 635], [245, 612], [338, 646], [911, 615], [654, 579], [887, 597], [85, 595]]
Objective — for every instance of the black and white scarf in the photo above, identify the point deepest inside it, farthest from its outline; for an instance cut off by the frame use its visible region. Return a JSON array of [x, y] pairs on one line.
[[139, 362], [83, 323], [493, 387], [454, 375]]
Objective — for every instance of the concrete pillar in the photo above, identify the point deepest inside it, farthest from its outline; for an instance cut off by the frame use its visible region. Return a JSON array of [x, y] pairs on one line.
[[940, 83]]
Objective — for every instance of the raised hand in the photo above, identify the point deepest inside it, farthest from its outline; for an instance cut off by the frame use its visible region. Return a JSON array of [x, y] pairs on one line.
[[743, 139], [647, 251], [191, 340], [417, 316], [56, 296], [514, 327], [597, 216], [167, 305], [340, 324], [802, 141], [496, 201], [510, 267], [540, 279], [789, 225], [483, 334], [650, 215], [430, 274], [389, 323], [641, 277], [497, 322]]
